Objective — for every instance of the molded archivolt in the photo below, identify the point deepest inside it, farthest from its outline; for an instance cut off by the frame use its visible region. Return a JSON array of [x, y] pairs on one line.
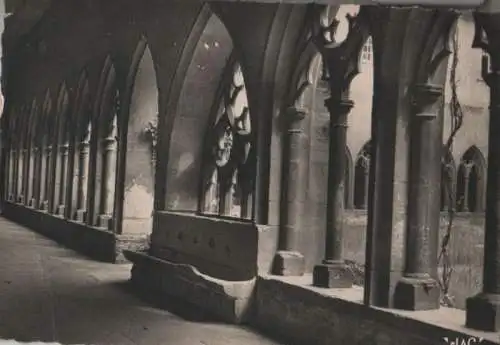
[[138, 128]]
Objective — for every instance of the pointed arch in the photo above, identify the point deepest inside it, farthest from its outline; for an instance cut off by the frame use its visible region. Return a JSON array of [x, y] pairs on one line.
[[106, 106], [361, 176], [78, 165], [471, 181], [137, 130]]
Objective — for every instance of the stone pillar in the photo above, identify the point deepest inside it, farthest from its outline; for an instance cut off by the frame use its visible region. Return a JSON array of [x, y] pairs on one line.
[[341, 60], [483, 309], [63, 149], [36, 178], [12, 174], [107, 181], [44, 206], [81, 191], [333, 272], [19, 177], [288, 261], [366, 185], [417, 290]]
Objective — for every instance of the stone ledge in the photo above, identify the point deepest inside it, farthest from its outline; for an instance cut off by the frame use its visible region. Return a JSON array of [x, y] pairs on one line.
[[289, 307], [95, 243], [228, 300]]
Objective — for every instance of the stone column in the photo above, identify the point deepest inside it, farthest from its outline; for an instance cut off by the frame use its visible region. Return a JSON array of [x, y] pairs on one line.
[[288, 261], [107, 181], [12, 174], [19, 177], [63, 149], [341, 60], [36, 177], [46, 189], [81, 191], [333, 272], [483, 309], [366, 185], [417, 290]]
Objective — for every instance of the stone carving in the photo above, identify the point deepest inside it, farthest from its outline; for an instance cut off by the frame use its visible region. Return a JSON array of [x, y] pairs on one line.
[[229, 150]]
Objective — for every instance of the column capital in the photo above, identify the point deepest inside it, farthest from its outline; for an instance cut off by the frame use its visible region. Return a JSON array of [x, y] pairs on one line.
[[425, 100], [296, 114]]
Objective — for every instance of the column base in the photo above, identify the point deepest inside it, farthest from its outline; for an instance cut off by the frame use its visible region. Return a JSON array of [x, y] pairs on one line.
[[20, 199], [104, 221], [32, 203], [289, 263], [483, 312], [333, 275], [44, 206], [11, 197], [80, 216], [60, 210], [417, 294]]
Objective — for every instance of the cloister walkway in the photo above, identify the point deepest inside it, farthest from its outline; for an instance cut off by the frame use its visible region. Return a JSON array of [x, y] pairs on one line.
[[51, 294]]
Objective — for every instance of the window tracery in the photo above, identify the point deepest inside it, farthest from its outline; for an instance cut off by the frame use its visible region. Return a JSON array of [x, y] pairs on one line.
[[228, 177]]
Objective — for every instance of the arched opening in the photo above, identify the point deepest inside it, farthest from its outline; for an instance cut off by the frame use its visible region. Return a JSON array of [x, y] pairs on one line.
[[60, 158], [103, 146], [194, 118], [78, 170], [47, 132], [361, 177], [470, 181], [137, 150], [227, 175]]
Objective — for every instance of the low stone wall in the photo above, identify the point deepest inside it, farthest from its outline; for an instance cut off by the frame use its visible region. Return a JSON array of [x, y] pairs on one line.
[[465, 249], [298, 313], [96, 243]]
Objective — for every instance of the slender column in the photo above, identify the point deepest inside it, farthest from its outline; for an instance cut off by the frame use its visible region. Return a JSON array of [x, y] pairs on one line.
[[341, 60], [63, 149], [333, 272], [46, 188], [10, 184], [30, 178], [81, 198], [19, 178], [288, 260], [483, 309], [107, 181], [36, 177], [417, 290]]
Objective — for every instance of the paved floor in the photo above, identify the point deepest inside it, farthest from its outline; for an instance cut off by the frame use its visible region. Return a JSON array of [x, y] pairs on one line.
[[51, 294]]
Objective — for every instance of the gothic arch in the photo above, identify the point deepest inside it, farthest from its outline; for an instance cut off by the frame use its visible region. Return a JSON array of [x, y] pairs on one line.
[[471, 181], [189, 127], [137, 144], [101, 187], [79, 129], [361, 177]]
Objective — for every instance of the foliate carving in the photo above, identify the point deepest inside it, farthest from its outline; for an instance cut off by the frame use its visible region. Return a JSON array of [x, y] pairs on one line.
[[342, 59]]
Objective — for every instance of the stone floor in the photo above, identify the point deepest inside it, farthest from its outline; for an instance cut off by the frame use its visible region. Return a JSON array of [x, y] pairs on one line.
[[51, 294]]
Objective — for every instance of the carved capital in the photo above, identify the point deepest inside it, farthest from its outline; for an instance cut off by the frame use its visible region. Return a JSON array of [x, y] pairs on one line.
[[338, 107], [425, 100], [296, 114]]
